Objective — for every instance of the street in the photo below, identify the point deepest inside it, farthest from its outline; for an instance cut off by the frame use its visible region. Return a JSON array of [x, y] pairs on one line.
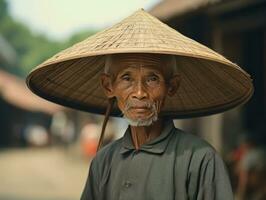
[[41, 174]]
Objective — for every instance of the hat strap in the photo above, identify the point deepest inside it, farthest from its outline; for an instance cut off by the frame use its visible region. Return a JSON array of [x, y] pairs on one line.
[[106, 117]]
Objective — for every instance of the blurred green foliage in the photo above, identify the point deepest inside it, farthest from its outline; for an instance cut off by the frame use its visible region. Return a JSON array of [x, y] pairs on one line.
[[31, 49]]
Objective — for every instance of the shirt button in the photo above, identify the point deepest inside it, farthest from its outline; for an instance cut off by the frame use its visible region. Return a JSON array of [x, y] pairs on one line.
[[127, 184]]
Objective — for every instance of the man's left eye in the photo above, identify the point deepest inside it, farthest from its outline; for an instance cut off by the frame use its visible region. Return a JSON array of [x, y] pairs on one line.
[[152, 78]]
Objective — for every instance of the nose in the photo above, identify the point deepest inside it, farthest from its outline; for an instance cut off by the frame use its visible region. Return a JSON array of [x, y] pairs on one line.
[[139, 91]]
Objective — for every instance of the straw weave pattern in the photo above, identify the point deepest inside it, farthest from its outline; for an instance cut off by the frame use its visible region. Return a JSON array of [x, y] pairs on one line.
[[209, 82]]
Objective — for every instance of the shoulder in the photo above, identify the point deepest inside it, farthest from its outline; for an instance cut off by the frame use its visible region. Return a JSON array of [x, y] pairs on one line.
[[191, 142], [202, 166], [197, 154], [192, 147], [105, 154]]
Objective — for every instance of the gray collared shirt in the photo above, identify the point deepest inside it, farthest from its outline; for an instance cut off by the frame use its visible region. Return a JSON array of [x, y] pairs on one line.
[[173, 166]]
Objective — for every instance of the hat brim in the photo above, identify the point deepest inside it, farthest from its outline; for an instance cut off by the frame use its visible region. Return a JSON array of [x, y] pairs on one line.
[[209, 84], [207, 87]]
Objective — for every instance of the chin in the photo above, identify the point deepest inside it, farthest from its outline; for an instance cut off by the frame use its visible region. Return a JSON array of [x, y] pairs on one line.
[[141, 122]]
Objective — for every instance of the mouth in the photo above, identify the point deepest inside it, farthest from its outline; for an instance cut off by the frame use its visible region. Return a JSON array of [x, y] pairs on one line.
[[140, 108]]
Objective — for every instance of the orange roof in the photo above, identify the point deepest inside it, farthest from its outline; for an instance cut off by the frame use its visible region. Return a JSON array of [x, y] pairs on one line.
[[15, 91]]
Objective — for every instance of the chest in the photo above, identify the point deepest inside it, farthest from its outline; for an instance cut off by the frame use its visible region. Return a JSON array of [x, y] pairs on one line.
[[141, 175]]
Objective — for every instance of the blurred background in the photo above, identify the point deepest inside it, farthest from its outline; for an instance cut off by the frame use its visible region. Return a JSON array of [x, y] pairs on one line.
[[45, 149]]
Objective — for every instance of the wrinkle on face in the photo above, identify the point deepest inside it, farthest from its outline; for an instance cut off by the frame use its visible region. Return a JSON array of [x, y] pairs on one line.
[[166, 64], [140, 94], [139, 83]]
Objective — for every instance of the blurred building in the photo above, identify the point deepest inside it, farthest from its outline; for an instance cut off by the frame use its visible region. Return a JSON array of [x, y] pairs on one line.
[[26, 118], [236, 29], [19, 108]]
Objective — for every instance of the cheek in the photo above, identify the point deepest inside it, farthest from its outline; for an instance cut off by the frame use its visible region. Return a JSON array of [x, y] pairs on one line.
[[158, 96], [121, 97], [159, 93], [120, 103]]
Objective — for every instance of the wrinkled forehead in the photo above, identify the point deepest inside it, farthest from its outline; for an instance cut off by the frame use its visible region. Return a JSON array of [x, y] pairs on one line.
[[162, 63]]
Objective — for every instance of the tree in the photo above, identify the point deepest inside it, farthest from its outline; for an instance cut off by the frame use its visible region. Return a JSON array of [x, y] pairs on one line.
[[32, 49]]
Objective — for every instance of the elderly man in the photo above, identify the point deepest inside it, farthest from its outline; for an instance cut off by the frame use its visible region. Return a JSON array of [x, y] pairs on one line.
[[153, 160], [152, 74]]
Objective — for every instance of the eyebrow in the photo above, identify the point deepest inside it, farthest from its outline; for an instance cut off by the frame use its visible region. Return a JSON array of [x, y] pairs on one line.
[[156, 72], [149, 72], [124, 72], [121, 74]]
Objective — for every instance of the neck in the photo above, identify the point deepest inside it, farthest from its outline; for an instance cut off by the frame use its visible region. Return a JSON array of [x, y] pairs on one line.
[[143, 134]]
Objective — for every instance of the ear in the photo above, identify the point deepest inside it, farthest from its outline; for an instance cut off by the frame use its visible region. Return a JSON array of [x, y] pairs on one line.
[[106, 83], [174, 84]]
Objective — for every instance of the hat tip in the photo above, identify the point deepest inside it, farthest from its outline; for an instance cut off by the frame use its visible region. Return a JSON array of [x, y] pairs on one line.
[[140, 10]]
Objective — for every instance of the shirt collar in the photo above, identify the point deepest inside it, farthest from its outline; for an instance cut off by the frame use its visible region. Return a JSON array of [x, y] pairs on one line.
[[157, 145]]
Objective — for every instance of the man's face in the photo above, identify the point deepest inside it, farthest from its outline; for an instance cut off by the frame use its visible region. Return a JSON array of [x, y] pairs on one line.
[[139, 83]]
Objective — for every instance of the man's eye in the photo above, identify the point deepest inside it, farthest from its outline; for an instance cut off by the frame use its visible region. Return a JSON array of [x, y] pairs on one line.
[[152, 78], [126, 77]]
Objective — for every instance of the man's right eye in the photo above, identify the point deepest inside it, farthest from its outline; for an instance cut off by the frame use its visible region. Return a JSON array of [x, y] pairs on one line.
[[126, 77]]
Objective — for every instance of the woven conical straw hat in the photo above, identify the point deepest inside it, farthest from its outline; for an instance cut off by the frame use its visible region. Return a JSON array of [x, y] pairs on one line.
[[209, 82]]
